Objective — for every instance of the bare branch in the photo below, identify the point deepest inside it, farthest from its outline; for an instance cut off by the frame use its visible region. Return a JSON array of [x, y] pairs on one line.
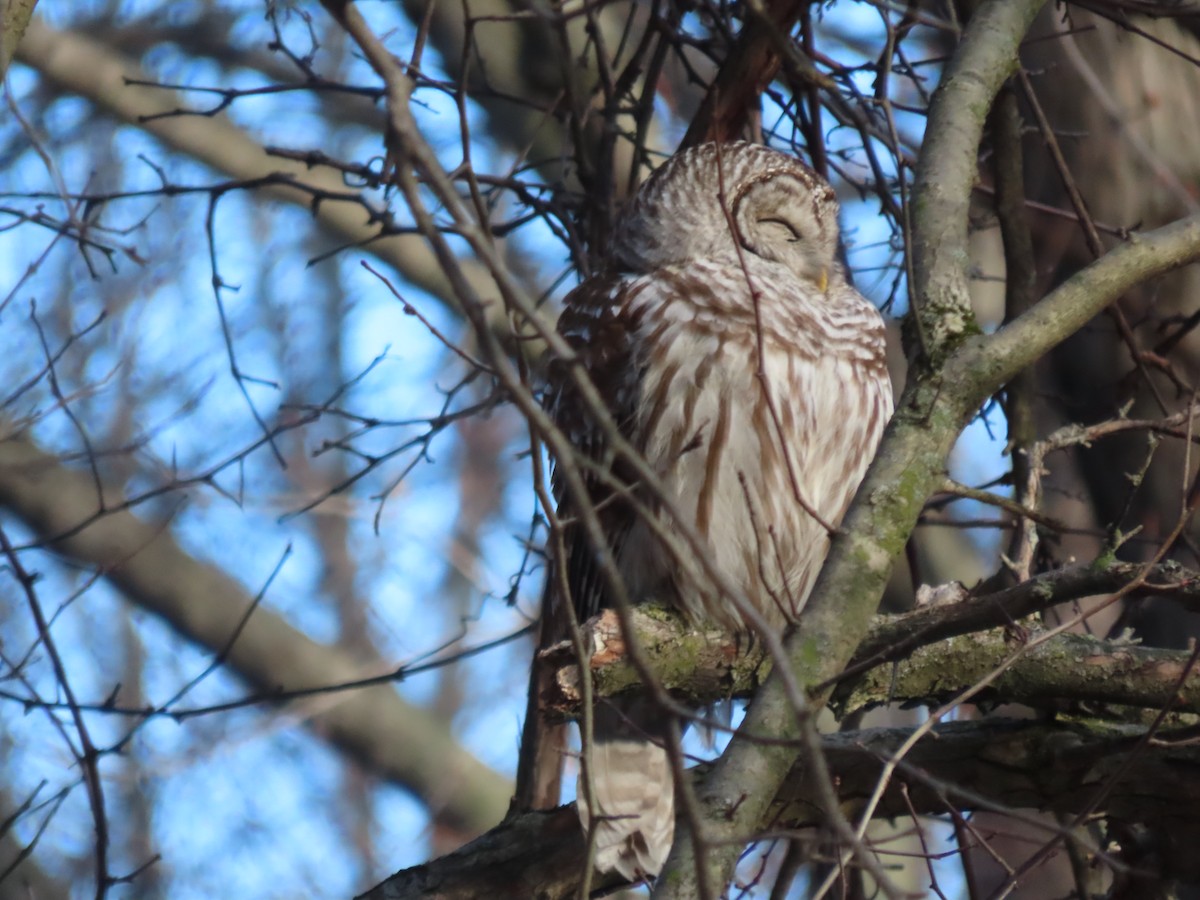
[[77, 63], [936, 653], [398, 740]]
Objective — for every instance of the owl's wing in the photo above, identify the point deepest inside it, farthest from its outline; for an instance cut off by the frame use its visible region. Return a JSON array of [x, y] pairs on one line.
[[624, 795], [592, 323], [595, 324]]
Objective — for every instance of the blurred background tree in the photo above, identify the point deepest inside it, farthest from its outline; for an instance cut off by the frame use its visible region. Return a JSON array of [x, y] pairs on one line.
[[270, 537]]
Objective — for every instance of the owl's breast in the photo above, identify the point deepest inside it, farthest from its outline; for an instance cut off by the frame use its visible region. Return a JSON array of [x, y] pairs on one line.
[[759, 436]]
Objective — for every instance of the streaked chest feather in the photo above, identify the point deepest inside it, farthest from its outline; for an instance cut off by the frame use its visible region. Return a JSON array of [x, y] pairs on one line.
[[749, 416]]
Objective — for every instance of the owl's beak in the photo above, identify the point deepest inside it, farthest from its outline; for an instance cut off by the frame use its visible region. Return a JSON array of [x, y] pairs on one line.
[[823, 280]]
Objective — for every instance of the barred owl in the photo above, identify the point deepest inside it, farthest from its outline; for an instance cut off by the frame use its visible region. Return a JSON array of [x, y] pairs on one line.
[[734, 355]]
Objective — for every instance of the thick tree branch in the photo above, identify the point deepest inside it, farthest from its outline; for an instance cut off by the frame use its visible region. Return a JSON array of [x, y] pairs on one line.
[[948, 168], [375, 725], [746, 72], [1068, 671], [83, 66], [991, 361], [14, 19], [996, 765], [703, 667]]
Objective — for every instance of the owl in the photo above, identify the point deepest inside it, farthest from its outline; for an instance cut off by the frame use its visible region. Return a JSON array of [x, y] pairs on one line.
[[735, 356]]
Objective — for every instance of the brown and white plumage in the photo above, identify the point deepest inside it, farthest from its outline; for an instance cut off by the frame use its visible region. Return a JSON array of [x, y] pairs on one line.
[[734, 355]]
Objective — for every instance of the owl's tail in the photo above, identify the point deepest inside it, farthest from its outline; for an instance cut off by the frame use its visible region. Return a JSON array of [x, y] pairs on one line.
[[632, 810]]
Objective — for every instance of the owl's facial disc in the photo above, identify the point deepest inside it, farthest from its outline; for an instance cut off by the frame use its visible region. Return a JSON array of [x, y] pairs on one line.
[[795, 245], [777, 219]]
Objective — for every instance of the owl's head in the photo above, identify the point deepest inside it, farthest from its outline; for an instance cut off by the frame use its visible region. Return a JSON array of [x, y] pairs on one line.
[[707, 200]]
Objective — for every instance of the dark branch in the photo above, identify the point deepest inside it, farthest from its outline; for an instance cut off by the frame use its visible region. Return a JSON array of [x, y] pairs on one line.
[[995, 765]]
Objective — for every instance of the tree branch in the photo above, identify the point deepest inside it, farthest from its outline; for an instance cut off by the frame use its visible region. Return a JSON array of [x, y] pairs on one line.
[[752, 63], [83, 66], [997, 765], [894, 637], [1066, 672], [940, 658], [991, 361], [375, 725]]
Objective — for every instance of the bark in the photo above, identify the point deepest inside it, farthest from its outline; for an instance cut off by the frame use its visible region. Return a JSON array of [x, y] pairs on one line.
[[14, 19], [1061, 673]]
